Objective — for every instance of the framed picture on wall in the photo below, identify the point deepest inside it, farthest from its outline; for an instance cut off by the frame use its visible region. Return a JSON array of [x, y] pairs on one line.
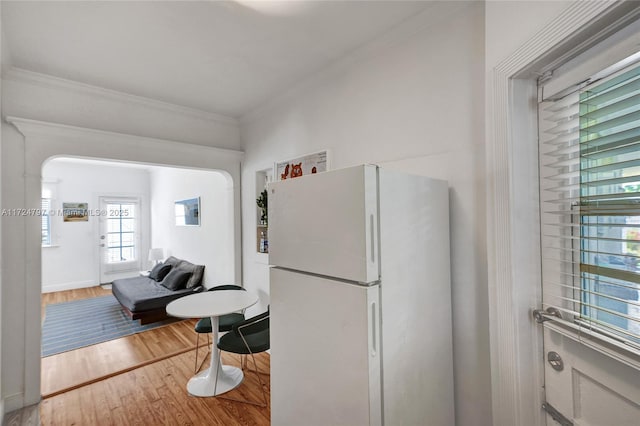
[[75, 212], [188, 212], [316, 162]]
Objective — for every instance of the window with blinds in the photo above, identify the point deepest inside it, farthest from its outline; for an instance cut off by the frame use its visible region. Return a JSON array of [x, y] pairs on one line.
[[45, 209], [590, 207]]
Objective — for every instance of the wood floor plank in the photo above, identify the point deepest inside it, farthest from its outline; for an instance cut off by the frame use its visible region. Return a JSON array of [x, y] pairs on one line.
[[90, 417], [118, 417], [112, 398], [99, 399]]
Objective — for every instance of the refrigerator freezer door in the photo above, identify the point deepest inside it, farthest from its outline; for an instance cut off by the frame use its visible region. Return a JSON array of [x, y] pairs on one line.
[[325, 351], [327, 224]]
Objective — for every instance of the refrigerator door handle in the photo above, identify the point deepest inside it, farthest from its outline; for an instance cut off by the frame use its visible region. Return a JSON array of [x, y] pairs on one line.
[[374, 323], [373, 243]]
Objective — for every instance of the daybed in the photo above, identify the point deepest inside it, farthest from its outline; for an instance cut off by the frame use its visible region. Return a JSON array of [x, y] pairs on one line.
[[146, 297]]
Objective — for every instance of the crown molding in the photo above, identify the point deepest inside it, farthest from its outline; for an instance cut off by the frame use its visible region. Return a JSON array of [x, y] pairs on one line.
[[35, 128], [48, 81]]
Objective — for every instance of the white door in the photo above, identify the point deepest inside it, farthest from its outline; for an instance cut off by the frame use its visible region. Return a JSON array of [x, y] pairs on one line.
[[325, 351], [326, 224], [592, 389], [590, 189], [119, 239]]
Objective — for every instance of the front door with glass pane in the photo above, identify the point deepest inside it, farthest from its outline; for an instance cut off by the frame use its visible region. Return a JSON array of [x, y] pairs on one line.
[[119, 237], [590, 210]]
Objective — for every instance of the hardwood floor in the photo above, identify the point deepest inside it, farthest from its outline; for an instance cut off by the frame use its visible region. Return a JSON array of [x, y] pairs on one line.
[[141, 380], [105, 359]]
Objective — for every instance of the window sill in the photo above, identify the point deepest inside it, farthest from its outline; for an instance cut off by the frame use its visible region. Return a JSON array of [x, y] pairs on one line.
[[51, 246]]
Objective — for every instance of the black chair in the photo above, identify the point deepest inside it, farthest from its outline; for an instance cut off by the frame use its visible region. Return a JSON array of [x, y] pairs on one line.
[[248, 337], [224, 323]]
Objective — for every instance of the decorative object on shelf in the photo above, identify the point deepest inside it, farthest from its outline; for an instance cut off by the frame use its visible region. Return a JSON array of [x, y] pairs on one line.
[[75, 212], [156, 255], [300, 166], [188, 212], [261, 201], [264, 242]]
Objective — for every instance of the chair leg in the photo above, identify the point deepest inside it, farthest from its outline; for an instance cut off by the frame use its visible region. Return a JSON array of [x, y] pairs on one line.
[[245, 366], [195, 367], [255, 365]]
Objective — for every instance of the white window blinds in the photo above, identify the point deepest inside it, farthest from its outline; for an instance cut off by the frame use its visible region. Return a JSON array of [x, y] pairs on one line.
[[45, 210], [590, 208]]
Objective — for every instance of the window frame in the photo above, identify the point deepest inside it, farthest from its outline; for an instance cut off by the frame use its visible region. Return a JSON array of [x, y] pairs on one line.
[[45, 212]]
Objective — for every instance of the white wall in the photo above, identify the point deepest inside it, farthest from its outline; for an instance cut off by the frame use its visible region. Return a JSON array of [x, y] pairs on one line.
[[210, 244], [74, 260], [414, 103]]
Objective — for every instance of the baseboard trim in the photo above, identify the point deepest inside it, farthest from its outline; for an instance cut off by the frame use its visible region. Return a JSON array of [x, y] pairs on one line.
[[68, 286], [25, 416], [13, 402]]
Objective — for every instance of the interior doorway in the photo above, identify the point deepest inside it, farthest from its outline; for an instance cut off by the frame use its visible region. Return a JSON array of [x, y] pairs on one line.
[[128, 215], [39, 142]]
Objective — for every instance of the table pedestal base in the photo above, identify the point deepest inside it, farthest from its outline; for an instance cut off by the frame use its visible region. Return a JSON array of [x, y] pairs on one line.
[[203, 383]]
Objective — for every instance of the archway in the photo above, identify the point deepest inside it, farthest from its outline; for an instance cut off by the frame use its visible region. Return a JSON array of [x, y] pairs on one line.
[[40, 141]]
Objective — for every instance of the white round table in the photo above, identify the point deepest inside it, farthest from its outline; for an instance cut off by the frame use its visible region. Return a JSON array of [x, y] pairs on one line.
[[213, 304]]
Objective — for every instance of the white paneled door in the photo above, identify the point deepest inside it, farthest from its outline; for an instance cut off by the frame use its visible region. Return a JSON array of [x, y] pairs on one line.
[[590, 222], [588, 387]]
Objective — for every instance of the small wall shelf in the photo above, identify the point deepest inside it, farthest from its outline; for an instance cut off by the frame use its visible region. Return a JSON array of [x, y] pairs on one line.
[[263, 177], [260, 230]]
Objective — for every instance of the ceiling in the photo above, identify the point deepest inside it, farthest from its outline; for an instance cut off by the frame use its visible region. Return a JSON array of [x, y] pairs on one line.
[[225, 57]]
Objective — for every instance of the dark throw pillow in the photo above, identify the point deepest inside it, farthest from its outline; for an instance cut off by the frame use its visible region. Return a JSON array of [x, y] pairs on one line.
[[173, 261], [197, 271], [176, 279], [159, 271]]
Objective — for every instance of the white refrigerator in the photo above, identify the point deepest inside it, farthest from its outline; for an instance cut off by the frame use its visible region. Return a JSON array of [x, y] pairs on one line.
[[360, 299]]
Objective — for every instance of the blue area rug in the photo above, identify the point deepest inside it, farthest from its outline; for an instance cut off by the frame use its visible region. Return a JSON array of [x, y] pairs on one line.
[[73, 325]]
